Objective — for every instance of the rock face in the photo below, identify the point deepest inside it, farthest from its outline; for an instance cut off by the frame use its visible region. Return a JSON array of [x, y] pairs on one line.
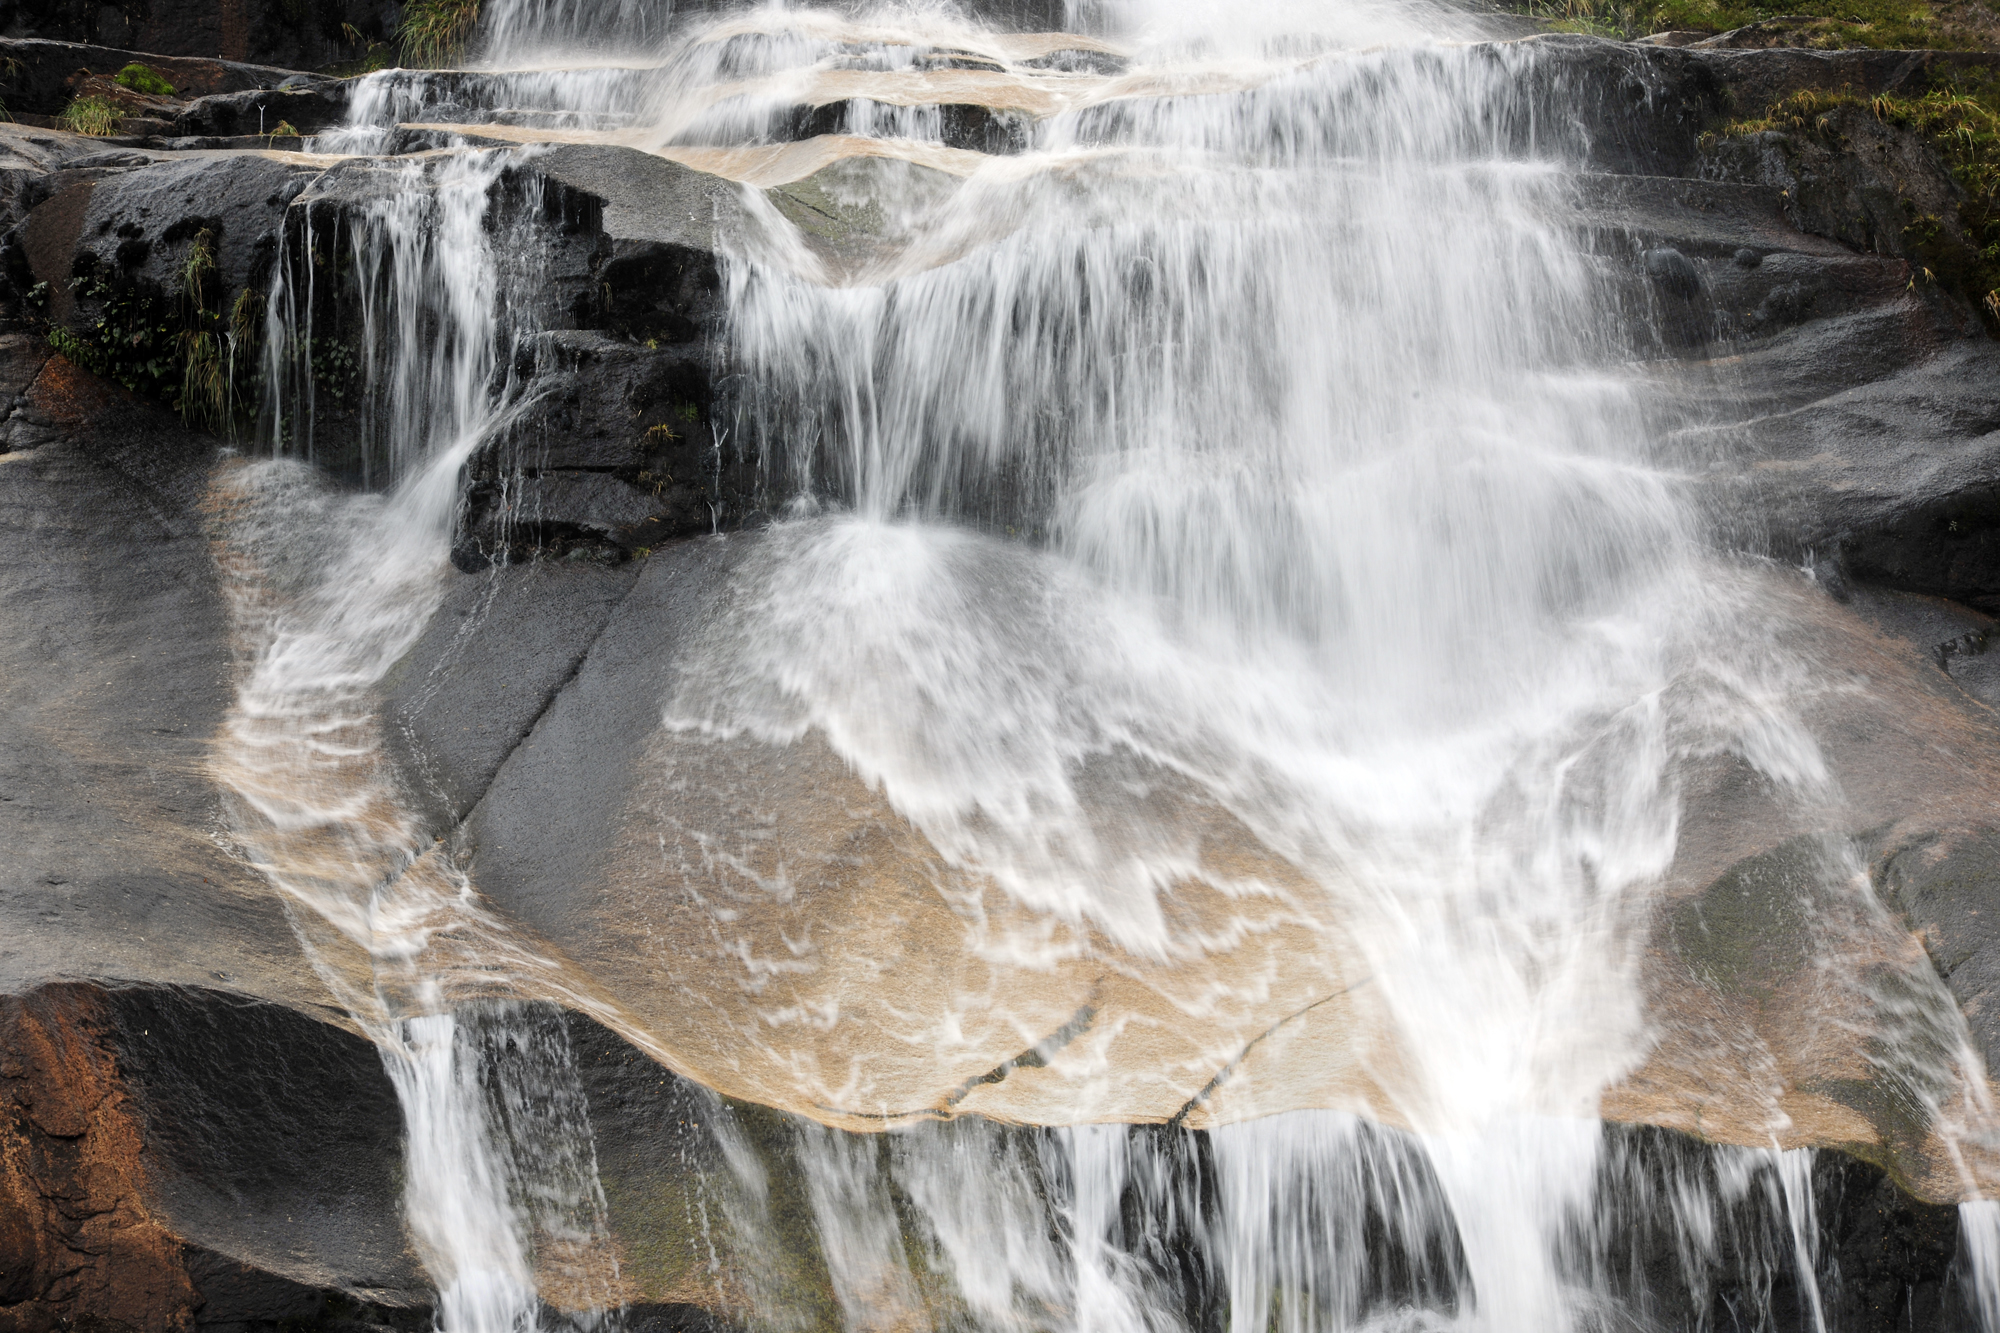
[[172, 1066], [167, 32]]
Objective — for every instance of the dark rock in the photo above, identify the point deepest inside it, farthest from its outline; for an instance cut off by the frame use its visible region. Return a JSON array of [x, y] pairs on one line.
[[1747, 258], [978, 129], [1948, 546], [599, 725], [1829, 575], [141, 222], [644, 198], [275, 1140], [43, 79], [172, 35], [1869, 448], [100, 1109], [22, 424], [1671, 272]]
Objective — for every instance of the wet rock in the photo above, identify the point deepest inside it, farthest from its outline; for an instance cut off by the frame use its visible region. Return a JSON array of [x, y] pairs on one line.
[[527, 721], [140, 223], [502, 645], [274, 1139], [617, 437], [1671, 272], [307, 109], [121, 675]]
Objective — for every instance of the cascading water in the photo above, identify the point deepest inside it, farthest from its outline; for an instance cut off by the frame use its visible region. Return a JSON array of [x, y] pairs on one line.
[[328, 591], [1247, 497]]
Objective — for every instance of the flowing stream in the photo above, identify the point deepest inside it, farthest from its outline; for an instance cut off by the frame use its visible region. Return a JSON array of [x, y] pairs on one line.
[[1248, 492]]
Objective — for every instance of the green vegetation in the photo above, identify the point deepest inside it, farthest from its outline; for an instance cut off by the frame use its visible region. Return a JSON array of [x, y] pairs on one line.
[[176, 348], [434, 33], [1960, 121], [144, 79], [99, 116], [1950, 25]]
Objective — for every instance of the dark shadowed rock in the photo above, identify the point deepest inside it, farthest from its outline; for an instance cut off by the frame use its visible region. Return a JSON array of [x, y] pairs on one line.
[[306, 109], [43, 77], [184, 35], [1671, 272]]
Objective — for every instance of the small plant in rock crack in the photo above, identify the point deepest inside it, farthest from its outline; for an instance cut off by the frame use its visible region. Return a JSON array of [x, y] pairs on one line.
[[197, 266], [98, 117], [10, 68]]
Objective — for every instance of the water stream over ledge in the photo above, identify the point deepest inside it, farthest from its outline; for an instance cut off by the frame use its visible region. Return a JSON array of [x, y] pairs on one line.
[[1229, 554]]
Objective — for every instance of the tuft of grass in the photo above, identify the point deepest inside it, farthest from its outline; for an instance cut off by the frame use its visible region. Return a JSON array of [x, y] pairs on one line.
[[204, 388], [244, 316], [195, 268], [144, 79], [435, 33], [97, 116]]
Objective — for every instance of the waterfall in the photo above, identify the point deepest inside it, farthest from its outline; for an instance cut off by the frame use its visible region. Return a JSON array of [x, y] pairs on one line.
[[1272, 460], [327, 591], [1244, 509]]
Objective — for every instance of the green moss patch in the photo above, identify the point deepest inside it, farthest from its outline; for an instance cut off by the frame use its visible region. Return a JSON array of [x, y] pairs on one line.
[[144, 79]]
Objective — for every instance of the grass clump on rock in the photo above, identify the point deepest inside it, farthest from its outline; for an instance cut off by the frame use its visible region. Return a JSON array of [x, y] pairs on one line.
[[434, 33], [144, 79], [98, 116]]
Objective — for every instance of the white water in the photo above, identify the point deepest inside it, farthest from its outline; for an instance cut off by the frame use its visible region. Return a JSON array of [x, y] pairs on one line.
[[1278, 452], [1353, 524]]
